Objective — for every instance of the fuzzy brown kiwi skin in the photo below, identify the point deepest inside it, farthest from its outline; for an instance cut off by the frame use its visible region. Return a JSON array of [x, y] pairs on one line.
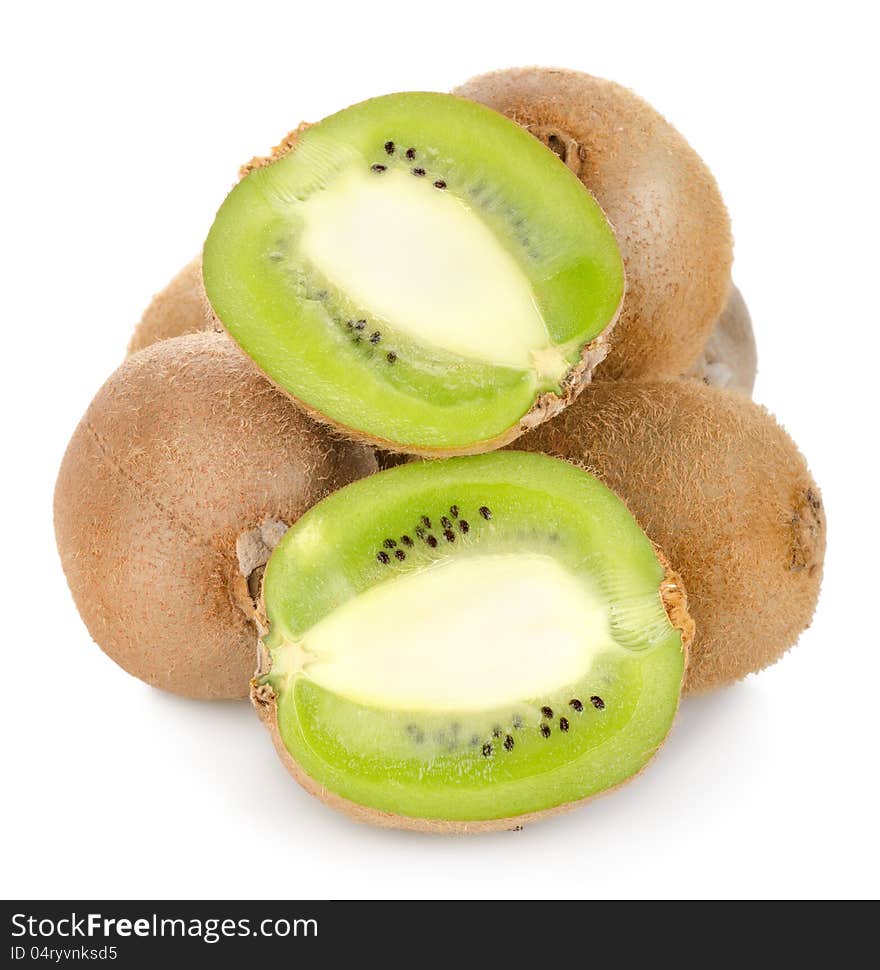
[[671, 224], [730, 357], [287, 144], [181, 308], [723, 490], [181, 455], [674, 597]]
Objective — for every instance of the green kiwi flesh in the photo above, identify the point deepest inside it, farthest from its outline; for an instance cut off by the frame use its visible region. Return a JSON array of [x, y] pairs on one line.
[[419, 271], [469, 642]]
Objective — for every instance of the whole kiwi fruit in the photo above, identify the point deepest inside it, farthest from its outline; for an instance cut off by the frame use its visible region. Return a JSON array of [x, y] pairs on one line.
[[469, 644], [671, 224], [185, 470], [725, 493]]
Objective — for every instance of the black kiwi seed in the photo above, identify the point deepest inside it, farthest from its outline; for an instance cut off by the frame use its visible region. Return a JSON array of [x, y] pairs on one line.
[[378, 168], [449, 535], [360, 324], [445, 522], [598, 703], [432, 542], [383, 557], [391, 356], [463, 527], [418, 171], [547, 711], [487, 750], [496, 731], [399, 554], [389, 147], [406, 540], [420, 532], [485, 512], [545, 730], [563, 724], [375, 337], [517, 722], [576, 705], [439, 184], [453, 511], [508, 743], [389, 543], [410, 153], [426, 522]]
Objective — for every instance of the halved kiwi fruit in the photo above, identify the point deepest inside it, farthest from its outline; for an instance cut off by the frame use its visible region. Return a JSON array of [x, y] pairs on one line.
[[419, 271], [469, 643]]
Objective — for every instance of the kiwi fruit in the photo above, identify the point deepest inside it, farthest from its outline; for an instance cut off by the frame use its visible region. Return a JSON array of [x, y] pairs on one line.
[[722, 489], [469, 643], [670, 221], [419, 272], [186, 468], [730, 357]]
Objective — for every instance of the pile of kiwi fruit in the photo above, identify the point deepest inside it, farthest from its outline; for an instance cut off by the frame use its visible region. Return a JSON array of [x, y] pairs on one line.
[[443, 451]]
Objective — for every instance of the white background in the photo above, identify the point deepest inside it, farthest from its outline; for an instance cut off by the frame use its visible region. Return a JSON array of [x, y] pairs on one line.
[[122, 130]]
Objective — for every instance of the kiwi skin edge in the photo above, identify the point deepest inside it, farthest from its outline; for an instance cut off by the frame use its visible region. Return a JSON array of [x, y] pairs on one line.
[[181, 457], [263, 698]]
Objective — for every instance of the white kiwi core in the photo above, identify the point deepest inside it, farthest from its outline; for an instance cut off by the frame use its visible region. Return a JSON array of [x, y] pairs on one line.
[[419, 258], [469, 633]]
